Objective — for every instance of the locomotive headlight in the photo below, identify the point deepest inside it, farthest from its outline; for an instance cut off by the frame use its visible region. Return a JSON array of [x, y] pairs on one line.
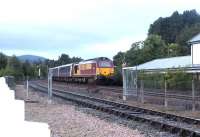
[[97, 71], [112, 70]]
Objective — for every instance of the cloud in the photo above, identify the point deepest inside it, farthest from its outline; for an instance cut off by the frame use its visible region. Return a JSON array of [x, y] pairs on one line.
[[109, 49], [45, 38], [79, 27]]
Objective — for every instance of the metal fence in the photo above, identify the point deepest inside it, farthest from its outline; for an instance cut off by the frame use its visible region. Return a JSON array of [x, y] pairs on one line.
[[183, 94], [130, 86]]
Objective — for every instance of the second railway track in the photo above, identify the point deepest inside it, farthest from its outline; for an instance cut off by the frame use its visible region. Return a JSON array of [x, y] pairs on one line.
[[183, 126], [147, 92]]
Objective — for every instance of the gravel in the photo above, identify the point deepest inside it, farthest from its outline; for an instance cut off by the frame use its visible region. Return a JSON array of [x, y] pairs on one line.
[[69, 120]]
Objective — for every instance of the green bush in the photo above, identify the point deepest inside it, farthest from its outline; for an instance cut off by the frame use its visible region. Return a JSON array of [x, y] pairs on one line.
[[179, 80], [176, 79]]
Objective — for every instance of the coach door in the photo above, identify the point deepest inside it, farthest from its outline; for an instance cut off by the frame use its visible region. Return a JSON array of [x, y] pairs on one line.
[[76, 69]]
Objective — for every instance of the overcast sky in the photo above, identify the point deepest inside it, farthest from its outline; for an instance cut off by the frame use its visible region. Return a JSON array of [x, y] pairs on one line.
[[84, 28]]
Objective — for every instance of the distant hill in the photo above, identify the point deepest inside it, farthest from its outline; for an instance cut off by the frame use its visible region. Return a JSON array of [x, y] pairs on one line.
[[31, 58]]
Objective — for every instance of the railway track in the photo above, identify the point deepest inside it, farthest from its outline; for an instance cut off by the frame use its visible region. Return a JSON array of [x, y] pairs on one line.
[[147, 92], [183, 126]]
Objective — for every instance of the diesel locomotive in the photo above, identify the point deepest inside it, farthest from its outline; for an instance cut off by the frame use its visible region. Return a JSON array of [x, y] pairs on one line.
[[97, 69]]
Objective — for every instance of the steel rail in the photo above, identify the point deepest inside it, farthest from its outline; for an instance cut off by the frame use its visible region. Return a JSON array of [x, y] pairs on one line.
[[165, 121], [147, 92]]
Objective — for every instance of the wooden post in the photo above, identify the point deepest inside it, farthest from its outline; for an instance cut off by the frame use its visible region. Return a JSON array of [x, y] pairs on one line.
[[166, 102], [193, 95]]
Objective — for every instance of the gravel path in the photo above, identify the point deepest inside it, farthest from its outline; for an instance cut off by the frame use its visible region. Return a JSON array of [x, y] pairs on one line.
[[68, 120]]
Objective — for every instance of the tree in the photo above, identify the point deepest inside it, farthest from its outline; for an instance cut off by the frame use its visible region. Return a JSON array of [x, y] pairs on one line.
[[154, 47], [185, 35], [3, 61], [134, 56], [119, 59], [14, 68], [170, 28], [151, 48], [64, 59], [76, 59]]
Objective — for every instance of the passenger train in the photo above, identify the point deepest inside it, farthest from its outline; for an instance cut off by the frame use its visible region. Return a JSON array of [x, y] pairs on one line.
[[99, 69]]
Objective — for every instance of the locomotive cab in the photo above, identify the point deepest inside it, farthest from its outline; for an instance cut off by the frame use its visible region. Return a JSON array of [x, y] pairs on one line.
[[105, 67]]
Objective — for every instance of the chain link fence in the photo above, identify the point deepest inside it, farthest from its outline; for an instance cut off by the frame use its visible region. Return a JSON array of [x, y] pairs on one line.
[[178, 90]]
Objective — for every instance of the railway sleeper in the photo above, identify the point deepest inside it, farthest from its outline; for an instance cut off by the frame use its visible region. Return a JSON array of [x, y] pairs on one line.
[[181, 131], [174, 130], [121, 114], [193, 134], [184, 133]]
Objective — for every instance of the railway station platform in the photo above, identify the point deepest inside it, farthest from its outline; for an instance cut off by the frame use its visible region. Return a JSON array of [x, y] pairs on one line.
[[12, 117]]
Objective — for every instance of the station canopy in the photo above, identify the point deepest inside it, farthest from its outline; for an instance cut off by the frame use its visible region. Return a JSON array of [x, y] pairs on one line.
[[172, 63], [165, 63]]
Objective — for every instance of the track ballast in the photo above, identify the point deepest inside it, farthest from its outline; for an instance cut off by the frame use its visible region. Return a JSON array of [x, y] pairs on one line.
[[183, 126]]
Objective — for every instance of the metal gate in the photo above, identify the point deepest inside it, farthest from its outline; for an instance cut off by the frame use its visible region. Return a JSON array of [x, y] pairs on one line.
[[130, 80]]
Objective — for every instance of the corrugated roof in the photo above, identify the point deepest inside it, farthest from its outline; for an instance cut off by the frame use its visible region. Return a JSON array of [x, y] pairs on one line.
[[165, 63], [195, 39]]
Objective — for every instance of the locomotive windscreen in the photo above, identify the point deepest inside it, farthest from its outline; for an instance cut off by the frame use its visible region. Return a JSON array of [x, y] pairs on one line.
[[105, 64]]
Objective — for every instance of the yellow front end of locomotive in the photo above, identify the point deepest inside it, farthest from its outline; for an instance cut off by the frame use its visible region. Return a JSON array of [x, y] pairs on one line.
[[105, 71]]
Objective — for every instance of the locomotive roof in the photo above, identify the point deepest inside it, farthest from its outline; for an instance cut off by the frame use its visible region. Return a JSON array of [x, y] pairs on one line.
[[94, 60]]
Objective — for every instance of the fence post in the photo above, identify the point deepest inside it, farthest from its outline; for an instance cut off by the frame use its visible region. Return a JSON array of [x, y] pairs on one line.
[[136, 83], [124, 84], [142, 91], [49, 86], [27, 88], [193, 95], [166, 101]]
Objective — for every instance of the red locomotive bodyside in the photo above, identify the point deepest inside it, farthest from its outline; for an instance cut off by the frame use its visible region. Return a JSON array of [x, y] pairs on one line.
[[88, 69]]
